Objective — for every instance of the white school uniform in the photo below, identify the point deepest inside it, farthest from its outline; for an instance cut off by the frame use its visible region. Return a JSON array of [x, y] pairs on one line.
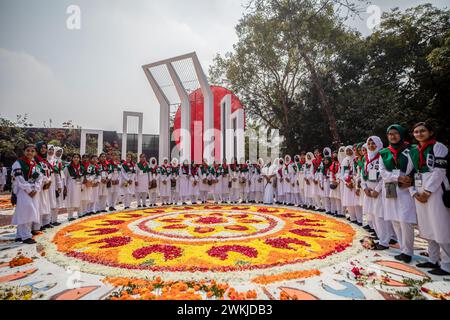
[[73, 199], [141, 189], [433, 217], [25, 212]]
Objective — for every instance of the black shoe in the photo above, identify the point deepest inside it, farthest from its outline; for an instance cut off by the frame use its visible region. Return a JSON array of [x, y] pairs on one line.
[[97, 212], [35, 232], [403, 257], [372, 230], [366, 227], [126, 208], [392, 241], [380, 247], [55, 224], [139, 206], [359, 224], [104, 211], [71, 219], [29, 241], [439, 272], [428, 265], [17, 240], [111, 209]]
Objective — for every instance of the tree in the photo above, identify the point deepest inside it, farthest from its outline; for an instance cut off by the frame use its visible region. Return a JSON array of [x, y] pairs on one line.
[[297, 68], [284, 47]]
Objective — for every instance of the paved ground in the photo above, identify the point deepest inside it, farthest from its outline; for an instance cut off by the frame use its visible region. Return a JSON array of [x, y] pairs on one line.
[[368, 275]]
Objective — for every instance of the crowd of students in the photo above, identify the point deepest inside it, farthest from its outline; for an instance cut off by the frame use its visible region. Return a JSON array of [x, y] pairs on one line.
[[387, 191]]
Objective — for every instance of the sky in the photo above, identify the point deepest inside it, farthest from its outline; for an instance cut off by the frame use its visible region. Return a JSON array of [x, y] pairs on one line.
[[92, 74]]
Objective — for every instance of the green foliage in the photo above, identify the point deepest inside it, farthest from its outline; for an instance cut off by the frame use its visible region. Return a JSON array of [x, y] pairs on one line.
[[297, 68]]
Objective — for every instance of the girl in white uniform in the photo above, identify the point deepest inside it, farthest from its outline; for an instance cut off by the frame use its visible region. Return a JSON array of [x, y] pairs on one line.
[[429, 159], [258, 181], [204, 181], [325, 180], [56, 186], [341, 157], [349, 197], [175, 181], [165, 176], [44, 197], [244, 178], [194, 183], [335, 186], [25, 180], [73, 174], [153, 181], [115, 169], [309, 177], [101, 202], [399, 209], [86, 187], [234, 177], [142, 181], [184, 178], [288, 188], [300, 162], [269, 176], [128, 178], [95, 185]]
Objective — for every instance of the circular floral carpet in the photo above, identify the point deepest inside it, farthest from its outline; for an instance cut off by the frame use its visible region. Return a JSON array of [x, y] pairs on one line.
[[230, 242]]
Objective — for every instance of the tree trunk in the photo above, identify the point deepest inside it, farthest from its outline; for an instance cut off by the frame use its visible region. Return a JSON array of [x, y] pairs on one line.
[[323, 99]]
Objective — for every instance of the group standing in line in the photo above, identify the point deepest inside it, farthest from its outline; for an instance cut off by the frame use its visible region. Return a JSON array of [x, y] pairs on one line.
[[386, 190]]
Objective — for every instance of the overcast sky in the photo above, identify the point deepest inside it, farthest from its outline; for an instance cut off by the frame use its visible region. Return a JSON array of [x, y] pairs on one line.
[[93, 74]]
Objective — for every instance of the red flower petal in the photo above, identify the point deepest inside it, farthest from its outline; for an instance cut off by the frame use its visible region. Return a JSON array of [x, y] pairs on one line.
[[169, 252], [222, 251]]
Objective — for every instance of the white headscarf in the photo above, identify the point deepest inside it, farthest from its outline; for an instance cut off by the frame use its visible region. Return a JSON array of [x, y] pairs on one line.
[[276, 163], [261, 162], [341, 154], [348, 160], [153, 165], [50, 146], [378, 143], [287, 159], [311, 156], [57, 149], [174, 162]]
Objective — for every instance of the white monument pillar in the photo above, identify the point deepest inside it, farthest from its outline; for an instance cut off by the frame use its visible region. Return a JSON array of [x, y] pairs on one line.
[[185, 127], [208, 108], [164, 115], [140, 116]]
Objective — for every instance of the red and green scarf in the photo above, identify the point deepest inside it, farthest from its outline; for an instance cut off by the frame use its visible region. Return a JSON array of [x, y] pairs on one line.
[[419, 155]]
